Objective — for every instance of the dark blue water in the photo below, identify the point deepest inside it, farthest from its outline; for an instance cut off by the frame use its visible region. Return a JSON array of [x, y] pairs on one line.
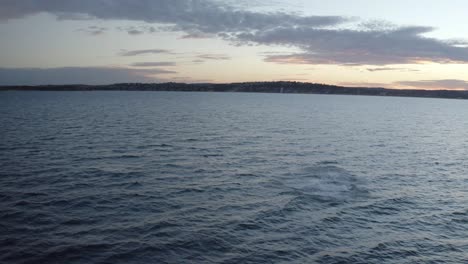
[[156, 177]]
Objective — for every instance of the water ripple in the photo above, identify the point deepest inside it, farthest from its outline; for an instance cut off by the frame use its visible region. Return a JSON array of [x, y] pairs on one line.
[[109, 177]]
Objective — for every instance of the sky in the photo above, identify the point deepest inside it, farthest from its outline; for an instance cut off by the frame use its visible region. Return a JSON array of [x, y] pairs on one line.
[[418, 44]]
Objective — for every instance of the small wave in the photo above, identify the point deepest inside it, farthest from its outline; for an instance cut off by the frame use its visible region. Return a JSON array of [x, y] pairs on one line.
[[78, 222], [47, 138], [189, 190], [252, 225], [172, 166], [5, 197], [392, 206], [134, 185], [23, 203], [79, 252], [34, 194], [203, 243], [151, 146], [110, 157], [460, 217], [246, 175], [127, 156], [460, 213], [212, 155], [328, 162]]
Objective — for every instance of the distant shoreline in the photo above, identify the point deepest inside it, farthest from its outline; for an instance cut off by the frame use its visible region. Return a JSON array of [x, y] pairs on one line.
[[251, 87]]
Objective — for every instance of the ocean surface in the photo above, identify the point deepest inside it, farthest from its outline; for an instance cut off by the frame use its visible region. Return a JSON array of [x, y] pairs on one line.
[[172, 177]]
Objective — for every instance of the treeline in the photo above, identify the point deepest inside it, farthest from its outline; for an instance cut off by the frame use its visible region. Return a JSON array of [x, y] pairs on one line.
[[254, 87]]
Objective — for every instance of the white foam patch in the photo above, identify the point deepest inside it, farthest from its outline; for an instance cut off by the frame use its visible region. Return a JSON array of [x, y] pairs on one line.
[[326, 181]]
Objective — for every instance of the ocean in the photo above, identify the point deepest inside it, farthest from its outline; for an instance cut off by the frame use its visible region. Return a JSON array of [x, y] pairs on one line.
[[176, 177]]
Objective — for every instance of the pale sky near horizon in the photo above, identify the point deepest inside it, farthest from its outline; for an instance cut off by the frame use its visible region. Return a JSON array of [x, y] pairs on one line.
[[395, 44]]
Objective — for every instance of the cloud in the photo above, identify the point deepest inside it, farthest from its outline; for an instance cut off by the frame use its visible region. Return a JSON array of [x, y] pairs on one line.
[[137, 30], [213, 57], [78, 75], [452, 84], [318, 39], [145, 51], [197, 35], [94, 30], [153, 64], [391, 69], [202, 15], [457, 43], [404, 45]]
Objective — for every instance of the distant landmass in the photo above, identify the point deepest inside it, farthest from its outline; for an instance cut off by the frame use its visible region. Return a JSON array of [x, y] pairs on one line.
[[249, 87]]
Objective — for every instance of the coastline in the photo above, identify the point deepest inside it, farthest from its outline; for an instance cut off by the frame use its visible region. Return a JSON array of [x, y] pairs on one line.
[[250, 87]]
